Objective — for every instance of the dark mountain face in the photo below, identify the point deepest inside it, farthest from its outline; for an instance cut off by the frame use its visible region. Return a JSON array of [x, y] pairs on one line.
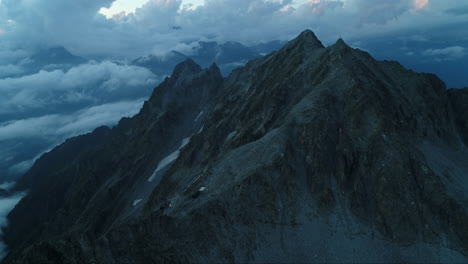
[[310, 154]]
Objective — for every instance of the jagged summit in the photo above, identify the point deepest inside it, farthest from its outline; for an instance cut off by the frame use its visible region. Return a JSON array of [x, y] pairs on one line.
[[306, 43], [310, 38], [341, 43], [303, 155], [187, 67], [214, 68]]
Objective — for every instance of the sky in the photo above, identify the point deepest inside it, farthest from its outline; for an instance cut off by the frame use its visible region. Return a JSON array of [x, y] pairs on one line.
[[43, 102], [131, 28], [98, 27]]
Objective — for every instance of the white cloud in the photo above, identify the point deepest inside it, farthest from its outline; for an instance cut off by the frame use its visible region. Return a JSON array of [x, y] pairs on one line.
[[62, 126], [41, 110], [87, 84], [448, 53], [23, 166]]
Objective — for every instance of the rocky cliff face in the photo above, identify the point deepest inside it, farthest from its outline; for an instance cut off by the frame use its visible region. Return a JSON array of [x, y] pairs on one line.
[[310, 154]]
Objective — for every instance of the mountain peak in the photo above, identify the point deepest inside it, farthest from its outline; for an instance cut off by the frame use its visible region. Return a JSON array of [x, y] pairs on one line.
[[305, 43], [310, 39], [318, 133], [214, 68], [187, 67], [341, 44]]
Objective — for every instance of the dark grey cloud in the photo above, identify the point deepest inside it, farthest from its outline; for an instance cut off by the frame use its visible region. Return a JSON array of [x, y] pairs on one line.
[[433, 50], [458, 11], [151, 28]]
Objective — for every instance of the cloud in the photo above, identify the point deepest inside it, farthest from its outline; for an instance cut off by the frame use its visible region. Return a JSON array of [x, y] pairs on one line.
[[448, 53], [419, 4], [7, 186], [458, 11], [320, 7], [65, 125], [23, 166], [9, 70], [85, 85], [152, 27], [39, 111]]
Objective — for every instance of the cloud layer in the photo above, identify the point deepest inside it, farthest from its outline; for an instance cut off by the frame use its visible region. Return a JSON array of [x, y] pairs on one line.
[[48, 92], [161, 24]]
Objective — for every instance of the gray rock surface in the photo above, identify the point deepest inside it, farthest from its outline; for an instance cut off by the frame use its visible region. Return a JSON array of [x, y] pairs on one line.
[[310, 154]]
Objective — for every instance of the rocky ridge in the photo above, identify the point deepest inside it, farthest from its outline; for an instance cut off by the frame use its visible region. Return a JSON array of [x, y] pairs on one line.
[[310, 154]]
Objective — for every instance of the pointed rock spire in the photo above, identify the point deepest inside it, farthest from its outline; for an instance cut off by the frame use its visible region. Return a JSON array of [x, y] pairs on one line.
[[214, 69], [341, 44], [185, 68], [310, 39], [306, 43]]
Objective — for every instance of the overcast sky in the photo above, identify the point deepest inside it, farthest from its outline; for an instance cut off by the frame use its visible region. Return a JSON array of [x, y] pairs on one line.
[[418, 30], [425, 35], [136, 27]]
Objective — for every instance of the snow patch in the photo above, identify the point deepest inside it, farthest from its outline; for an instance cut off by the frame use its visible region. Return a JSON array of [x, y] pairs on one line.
[[231, 136], [169, 159], [202, 189], [199, 115], [185, 141], [201, 129], [137, 201]]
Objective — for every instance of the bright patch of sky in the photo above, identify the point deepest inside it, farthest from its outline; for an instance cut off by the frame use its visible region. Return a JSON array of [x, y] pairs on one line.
[[418, 4], [129, 6]]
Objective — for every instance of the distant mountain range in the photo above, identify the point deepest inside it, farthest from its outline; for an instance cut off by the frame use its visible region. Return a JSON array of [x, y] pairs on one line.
[[308, 154], [227, 56]]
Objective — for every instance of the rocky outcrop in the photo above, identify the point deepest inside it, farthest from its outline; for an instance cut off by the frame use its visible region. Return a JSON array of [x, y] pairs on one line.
[[310, 154], [459, 99]]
